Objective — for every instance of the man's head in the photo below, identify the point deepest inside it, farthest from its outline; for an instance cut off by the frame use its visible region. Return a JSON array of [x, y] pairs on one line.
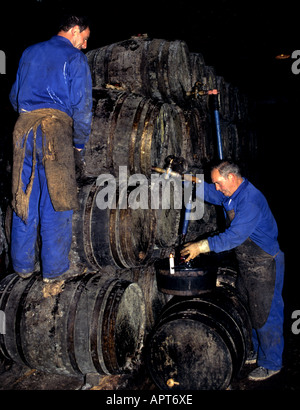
[[227, 177], [76, 29]]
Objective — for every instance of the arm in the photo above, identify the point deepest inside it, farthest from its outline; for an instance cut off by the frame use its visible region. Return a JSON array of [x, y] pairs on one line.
[[13, 95], [241, 227], [81, 100], [211, 195]]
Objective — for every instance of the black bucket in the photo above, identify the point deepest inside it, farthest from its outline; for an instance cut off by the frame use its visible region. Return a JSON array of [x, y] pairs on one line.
[[188, 279]]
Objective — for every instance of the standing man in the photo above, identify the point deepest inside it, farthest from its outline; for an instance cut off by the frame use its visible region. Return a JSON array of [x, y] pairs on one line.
[[252, 232], [53, 95]]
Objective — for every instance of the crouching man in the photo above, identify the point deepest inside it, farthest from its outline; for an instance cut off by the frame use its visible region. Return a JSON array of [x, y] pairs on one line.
[[252, 232]]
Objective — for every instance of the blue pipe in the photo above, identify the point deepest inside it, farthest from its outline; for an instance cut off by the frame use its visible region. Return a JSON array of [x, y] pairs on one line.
[[188, 209], [219, 137], [218, 128]]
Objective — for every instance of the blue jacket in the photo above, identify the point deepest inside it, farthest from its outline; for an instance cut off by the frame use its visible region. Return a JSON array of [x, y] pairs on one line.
[[54, 74], [253, 219]]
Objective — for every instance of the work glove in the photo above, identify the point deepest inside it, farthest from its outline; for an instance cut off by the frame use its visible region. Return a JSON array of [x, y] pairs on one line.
[[193, 249]]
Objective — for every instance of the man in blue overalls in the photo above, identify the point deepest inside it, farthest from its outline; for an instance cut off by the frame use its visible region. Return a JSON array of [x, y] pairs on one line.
[[53, 95], [252, 232]]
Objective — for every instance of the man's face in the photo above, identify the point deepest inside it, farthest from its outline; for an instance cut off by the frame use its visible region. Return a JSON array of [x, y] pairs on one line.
[[225, 185], [79, 39]]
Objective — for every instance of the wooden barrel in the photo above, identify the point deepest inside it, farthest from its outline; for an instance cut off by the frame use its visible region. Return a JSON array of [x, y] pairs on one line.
[[124, 238], [209, 77], [199, 343], [230, 140], [133, 131], [197, 68], [200, 138], [155, 68], [155, 300], [96, 323]]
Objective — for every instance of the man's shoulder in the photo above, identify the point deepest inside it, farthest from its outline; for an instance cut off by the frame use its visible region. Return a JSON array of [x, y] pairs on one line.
[[253, 190], [252, 195], [56, 47]]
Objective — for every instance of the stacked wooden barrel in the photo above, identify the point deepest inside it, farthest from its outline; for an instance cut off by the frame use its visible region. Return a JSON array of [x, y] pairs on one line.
[[149, 104]]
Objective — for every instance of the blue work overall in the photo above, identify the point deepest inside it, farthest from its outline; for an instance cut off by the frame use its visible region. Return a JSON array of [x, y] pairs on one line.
[[55, 228]]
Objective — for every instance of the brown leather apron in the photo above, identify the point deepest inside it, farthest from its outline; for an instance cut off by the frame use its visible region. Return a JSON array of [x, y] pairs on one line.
[[256, 279], [58, 159]]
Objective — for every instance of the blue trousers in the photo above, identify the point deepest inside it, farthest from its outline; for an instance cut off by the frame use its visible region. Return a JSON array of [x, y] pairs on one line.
[[55, 227], [268, 341]]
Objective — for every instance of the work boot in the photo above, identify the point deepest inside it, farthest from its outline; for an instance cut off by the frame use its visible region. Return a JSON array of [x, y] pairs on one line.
[[70, 273], [26, 275], [261, 373]]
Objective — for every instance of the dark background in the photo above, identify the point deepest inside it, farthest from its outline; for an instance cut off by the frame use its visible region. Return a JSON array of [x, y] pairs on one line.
[[239, 38]]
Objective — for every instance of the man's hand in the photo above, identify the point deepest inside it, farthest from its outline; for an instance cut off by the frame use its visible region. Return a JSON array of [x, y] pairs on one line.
[[194, 249]]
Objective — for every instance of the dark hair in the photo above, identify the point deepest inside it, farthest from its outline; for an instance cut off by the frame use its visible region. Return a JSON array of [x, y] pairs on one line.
[[227, 167], [70, 21]]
